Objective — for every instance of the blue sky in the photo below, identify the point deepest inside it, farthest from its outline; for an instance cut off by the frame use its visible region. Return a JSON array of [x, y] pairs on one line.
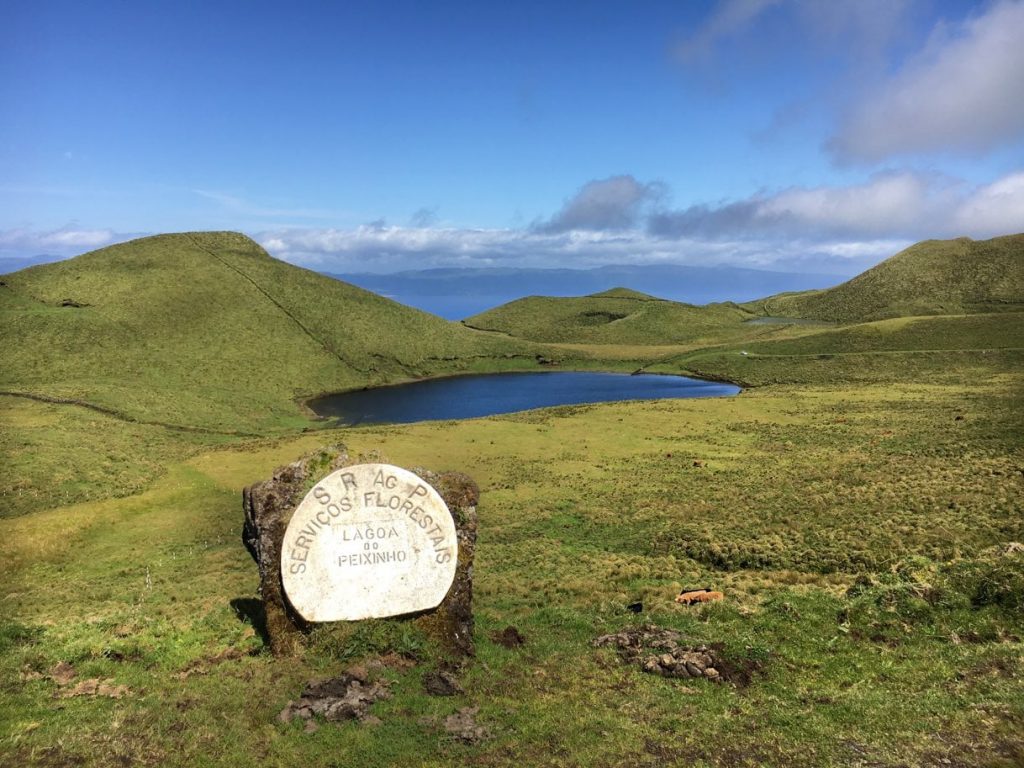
[[783, 134]]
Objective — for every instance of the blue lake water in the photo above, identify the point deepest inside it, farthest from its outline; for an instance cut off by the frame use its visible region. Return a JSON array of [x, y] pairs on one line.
[[466, 397]]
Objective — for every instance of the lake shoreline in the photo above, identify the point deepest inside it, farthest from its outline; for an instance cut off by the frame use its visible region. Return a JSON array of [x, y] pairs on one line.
[[490, 395]]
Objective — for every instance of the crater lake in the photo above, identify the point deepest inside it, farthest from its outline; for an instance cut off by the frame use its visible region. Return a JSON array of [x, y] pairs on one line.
[[475, 395]]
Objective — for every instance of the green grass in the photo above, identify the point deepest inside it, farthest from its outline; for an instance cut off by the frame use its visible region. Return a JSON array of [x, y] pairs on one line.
[[584, 509], [58, 454], [952, 348], [933, 277], [856, 509]]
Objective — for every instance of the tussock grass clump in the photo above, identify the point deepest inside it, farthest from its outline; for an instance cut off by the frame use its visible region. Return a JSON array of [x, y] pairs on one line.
[[356, 640], [978, 599]]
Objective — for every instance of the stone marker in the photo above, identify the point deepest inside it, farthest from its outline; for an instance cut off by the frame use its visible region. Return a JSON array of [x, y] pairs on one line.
[[368, 541], [343, 578]]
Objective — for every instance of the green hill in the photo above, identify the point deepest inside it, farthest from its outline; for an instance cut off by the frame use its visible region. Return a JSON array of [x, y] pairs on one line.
[[618, 316], [624, 293], [207, 330], [933, 277]]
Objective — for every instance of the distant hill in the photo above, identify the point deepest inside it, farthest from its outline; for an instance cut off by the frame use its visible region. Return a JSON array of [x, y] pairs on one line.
[[624, 293], [206, 329], [457, 293], [617, 316], [933, 277], [13, 263]]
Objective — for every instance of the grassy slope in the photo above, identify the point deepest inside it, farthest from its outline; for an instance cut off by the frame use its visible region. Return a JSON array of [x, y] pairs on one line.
[[901, 349], [204, 333], [206, 330], [612, 318], [934, 277]]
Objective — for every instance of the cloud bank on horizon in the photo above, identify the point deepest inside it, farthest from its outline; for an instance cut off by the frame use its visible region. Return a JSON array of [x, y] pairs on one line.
[[831, 229], [618, 221], [920, 134]]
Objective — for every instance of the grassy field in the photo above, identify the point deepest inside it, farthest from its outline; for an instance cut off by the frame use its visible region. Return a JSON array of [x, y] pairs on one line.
[[858, 508], [950, 349], [803, 493]]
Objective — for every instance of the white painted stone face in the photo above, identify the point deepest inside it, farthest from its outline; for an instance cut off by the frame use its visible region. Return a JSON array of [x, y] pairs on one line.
[[368, 541]]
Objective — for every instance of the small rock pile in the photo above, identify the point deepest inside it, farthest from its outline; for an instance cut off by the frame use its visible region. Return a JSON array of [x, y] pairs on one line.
[[640, 645], [683, 662], [346, 697], [463, 726]]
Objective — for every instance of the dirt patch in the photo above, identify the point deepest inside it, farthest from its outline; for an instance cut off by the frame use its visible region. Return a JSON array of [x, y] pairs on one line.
[[509, 637], [47, 757], [62, 673], [664, 652], [95, 687], [392, 660], [204, 665], [441, 684], [346, 697]]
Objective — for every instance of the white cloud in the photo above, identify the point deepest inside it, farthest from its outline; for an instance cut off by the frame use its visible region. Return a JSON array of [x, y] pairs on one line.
[[381, 248], [857, 30], [389, 249], [901, 205], [841, 229], [61, 242], [996, 207], [887, 203], [961, 93]]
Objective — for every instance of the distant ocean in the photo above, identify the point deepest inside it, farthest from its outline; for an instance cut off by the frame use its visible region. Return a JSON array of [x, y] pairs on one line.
[[456, 294]]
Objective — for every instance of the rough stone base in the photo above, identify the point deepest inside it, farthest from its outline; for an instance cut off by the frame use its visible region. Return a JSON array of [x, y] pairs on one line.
[[268, 507]]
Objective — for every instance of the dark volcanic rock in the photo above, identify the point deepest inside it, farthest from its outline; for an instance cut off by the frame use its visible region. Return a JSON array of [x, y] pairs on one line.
[[441, 684], [509, 637], [268, 506], [451, 623]]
